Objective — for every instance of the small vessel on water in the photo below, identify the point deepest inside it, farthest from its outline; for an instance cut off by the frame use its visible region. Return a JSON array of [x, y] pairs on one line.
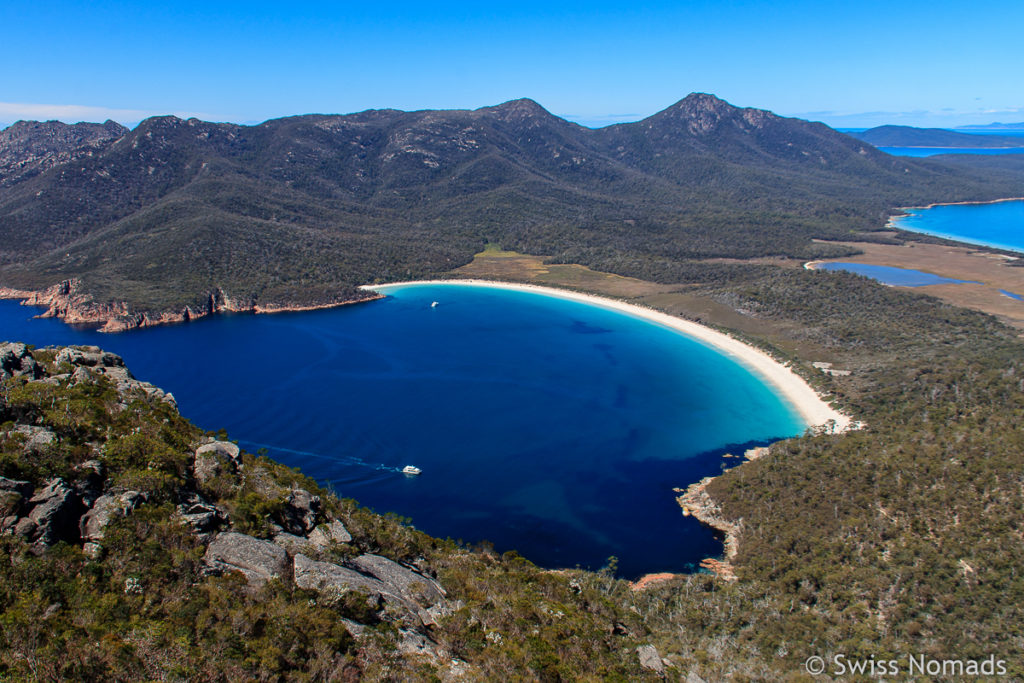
[[433, 305], [411, 469]]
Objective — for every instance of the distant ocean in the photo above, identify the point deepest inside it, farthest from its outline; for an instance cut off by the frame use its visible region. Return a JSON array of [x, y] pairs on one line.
[[547, 426], [932, 151], [1000, 224]]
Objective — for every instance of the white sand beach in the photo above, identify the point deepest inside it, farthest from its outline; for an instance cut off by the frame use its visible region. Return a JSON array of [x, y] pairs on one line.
[[814, 410]]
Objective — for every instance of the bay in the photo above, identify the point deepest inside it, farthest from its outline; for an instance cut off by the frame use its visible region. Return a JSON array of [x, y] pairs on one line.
[[997, 224], [544, 425]]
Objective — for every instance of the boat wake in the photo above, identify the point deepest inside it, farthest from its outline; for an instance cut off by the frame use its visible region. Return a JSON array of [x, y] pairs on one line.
[[254, 447]]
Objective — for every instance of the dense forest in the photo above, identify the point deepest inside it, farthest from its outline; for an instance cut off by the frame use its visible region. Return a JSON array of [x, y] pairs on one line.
[[302, 210]]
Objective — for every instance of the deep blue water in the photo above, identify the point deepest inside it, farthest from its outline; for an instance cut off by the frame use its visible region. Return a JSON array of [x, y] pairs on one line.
[[888, 275], [1018, 297], [543, 425], [1000, 224]]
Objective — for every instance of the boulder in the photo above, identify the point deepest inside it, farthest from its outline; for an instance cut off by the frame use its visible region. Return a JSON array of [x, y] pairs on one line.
[[214, 459], [202, 517], [17, 361], [105, 509], [328, 577], [408, 583], [257, 560], [300, 511], [53, 515], [13, 494], [650, 659], [332, 532], [399, 587]]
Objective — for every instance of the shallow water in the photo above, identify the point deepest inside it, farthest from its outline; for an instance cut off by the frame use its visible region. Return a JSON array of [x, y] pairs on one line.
[[548, 426], [999, 224], [889, 275]]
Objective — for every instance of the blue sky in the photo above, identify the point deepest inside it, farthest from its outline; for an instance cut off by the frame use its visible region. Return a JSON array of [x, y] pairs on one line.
[[849, 65]]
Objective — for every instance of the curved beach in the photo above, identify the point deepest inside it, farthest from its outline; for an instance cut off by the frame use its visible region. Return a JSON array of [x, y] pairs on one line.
[[813, 409]]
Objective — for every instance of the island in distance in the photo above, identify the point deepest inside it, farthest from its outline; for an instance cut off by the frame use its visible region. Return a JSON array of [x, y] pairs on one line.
[[908, 136]]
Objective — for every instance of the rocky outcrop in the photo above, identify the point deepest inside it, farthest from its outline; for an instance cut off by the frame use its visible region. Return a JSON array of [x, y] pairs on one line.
[[29, 148], [696, 501], [107, 508], [300, 512], [408, 583], [257, 560], [332, 532], [327, 577], [418, 598], [69, 301], [16, 361], [202, 517], [650, 659], [53, 514], [216, 459], [91, 362], [13, 494]]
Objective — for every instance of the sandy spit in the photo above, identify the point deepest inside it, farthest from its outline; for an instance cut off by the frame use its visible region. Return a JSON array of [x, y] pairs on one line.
[[811, 407]]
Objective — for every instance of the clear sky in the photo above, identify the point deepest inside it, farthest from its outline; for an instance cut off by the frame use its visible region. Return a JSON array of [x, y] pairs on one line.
[[936, 63]]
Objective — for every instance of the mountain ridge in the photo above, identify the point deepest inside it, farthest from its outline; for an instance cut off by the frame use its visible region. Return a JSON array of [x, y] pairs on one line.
[[300, 211]]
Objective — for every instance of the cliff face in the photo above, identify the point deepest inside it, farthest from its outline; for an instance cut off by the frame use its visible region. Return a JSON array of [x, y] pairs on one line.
[[68, 302]]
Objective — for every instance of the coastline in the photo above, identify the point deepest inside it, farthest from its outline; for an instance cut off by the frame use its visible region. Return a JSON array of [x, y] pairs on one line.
[[792, 388], [932, 206], [893, 224], [63, 301]]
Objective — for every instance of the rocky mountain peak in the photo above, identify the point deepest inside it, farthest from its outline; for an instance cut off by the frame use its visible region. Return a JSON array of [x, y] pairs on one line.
[[28, 148], [517, 110]]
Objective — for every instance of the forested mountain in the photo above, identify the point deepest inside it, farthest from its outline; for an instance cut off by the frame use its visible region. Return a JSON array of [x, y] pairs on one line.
[[300, 210], [908, 136]]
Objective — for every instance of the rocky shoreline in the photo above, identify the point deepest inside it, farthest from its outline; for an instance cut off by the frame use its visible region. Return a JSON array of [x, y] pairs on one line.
[[698, 503], [67, 302]]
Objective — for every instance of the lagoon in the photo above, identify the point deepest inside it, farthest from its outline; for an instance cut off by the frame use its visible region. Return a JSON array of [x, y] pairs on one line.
[[889, 275], [544, 425]]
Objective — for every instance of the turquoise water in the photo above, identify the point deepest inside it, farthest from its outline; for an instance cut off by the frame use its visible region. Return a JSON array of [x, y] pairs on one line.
[[888, 275], [999, 225], [543, 425]]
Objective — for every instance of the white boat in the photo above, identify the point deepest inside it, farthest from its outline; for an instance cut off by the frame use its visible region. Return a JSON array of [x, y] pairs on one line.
[[411, 469], [433, 305]]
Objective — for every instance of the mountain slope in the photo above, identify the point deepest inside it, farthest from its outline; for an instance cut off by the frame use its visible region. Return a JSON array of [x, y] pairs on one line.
[[299, 211]]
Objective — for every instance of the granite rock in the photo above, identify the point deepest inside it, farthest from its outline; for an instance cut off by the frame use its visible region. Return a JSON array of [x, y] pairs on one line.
[[257, 560]]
